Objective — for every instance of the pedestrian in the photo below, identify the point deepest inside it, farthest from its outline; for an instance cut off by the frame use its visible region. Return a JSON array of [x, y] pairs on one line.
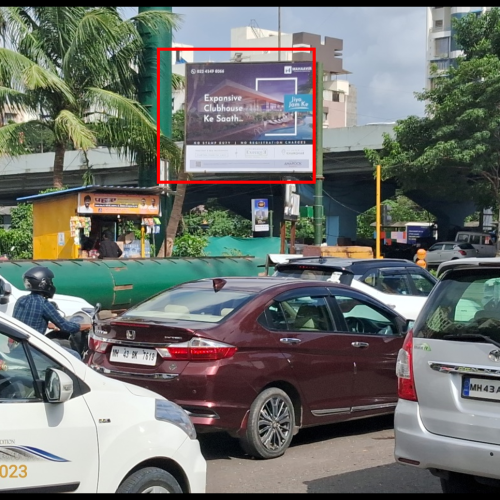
[[108, 247]]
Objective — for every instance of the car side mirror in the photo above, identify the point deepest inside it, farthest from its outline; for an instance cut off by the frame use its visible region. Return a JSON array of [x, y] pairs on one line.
[[97, 310], [58, 386]]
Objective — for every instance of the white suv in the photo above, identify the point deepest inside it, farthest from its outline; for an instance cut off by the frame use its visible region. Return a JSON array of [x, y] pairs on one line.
[[447, 416], [66, 428]]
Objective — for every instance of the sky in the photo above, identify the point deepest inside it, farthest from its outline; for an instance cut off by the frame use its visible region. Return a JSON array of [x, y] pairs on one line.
[[384, 47]]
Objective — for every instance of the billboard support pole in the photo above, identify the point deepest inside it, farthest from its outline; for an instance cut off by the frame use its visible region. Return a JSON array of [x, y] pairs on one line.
[[318, 186], [378, 216]]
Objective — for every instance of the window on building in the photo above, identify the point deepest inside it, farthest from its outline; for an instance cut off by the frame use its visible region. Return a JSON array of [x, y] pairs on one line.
[[9, 117], [438, 23], [442, 47], [442, 64], [338, 96]]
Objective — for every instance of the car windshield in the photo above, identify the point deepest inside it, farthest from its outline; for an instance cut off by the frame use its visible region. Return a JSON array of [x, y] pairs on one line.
[[315, 273], [465, 304], [189, 304]]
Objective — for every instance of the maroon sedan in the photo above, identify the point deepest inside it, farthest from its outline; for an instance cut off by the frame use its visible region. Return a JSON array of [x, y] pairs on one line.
[[259, 358]]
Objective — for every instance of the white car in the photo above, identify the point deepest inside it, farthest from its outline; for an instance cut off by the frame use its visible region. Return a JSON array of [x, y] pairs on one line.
[[447, 415], [66, 428], [398, 283], [66, 304]]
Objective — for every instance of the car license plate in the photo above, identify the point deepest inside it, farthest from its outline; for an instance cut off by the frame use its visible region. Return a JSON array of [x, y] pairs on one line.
[[133, 355], [480, 388]]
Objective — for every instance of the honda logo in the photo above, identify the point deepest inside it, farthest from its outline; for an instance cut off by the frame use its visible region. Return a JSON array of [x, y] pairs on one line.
[[130, 334]]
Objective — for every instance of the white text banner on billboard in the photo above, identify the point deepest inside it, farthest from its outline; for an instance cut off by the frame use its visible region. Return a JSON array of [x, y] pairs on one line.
[[249, 117]]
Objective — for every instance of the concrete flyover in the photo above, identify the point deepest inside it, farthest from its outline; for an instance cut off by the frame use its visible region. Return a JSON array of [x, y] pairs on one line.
[[348, 190]]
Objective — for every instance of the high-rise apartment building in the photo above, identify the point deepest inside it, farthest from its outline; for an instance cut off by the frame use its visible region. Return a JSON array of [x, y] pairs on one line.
[[442, 48]]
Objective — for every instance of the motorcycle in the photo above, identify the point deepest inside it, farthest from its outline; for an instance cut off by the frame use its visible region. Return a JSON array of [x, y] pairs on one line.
[[76, 343]]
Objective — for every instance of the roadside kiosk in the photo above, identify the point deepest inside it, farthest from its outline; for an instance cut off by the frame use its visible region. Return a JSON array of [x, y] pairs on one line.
[[69, 224]]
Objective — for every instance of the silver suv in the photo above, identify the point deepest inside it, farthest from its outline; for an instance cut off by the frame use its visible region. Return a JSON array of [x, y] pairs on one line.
[[447, 418]]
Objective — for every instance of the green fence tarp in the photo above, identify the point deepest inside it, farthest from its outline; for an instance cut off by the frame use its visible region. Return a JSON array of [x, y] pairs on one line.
[[229, 245]]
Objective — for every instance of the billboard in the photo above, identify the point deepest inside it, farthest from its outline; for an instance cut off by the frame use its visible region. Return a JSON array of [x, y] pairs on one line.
[[416, 231], [113, 203], [249, 117], [260, 215]]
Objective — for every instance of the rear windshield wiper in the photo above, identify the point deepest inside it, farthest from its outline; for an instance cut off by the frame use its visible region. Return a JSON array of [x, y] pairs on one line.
[[471, 336]]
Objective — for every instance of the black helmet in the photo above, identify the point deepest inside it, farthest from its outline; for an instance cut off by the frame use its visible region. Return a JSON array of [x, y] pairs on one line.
[[39, 279]]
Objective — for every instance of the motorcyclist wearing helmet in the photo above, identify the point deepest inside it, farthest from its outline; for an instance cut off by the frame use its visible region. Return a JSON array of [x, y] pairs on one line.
[[35, 310]]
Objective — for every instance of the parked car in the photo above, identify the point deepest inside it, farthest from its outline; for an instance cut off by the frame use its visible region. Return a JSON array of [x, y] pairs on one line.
[[442, 251], [448, 369], [66, 428], [399, 283], [259, 358], [483, 242]]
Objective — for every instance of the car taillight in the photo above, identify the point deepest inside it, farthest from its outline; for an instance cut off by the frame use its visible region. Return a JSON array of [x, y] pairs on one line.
[[462, 252], [197, 350], [96, 344], [404, 370]]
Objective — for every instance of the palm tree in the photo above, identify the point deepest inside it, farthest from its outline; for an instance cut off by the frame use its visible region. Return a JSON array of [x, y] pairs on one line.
[[74, 70], [176, 214]]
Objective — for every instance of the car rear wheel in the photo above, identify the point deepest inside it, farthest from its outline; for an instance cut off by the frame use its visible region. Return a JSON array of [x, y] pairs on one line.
[[150, 480], [270, 425]]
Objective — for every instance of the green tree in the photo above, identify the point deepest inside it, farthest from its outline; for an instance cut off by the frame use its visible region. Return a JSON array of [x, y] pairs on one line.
[[402, 210], [216, 222], [454, 151], [304, 230], [17, 242], [178, 125], [190, 245], [76, 69]]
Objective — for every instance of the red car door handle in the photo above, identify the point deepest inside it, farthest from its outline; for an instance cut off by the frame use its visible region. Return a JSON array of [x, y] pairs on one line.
[[288, 340], [360, 344]]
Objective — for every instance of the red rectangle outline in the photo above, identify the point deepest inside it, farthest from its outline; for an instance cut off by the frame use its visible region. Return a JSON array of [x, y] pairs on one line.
[[158, 86]]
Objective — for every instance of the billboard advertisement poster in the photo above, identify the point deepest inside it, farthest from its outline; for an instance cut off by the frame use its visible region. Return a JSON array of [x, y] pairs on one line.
[[416, 231], [260, 215], [249, 117], [113, 203]]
